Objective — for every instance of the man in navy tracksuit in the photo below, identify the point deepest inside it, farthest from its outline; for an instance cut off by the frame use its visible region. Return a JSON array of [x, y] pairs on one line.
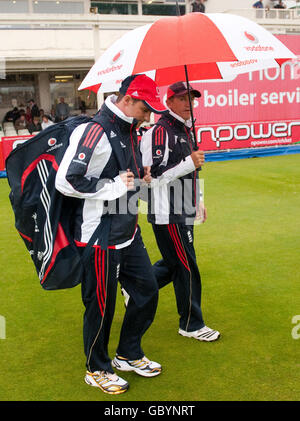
[[174, 202], [100, 167]]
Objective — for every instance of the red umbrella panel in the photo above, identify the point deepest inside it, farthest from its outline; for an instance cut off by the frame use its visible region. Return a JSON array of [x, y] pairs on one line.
[[212, 46]]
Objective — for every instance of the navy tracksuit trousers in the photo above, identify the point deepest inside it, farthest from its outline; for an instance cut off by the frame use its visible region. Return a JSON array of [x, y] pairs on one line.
[[179, 265], [132, 267]]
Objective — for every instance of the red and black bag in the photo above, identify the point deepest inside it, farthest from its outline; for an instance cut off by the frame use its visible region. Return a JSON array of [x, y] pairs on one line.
[[43, 216]]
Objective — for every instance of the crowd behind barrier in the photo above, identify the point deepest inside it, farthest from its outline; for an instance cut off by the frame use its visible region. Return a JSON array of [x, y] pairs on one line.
[[32, 119], [22, 123], [270, 4]]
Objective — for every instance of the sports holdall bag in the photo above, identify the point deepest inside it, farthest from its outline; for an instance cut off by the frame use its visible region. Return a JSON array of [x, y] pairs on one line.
[[43, 216]]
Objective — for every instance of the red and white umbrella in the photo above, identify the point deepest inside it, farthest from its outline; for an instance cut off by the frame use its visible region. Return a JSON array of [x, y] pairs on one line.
[[211, 46]]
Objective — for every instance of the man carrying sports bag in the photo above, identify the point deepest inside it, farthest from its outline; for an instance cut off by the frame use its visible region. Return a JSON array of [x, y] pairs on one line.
[[100, 168]]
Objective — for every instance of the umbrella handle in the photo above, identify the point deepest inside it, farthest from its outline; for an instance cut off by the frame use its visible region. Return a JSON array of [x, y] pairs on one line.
[[189, 94], [191, 108]]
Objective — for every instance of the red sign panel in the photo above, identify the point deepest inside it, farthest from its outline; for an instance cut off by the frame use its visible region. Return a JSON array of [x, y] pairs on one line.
[[260, 108], [7, 144]]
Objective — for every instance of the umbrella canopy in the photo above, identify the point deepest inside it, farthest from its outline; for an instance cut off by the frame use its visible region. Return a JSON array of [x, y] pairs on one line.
[[211, 46]]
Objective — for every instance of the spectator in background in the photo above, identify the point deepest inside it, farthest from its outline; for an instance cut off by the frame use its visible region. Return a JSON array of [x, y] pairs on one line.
[[35, 125], [12, 115], [198, 6], [62, 110], [280, 5], [52, 114], [258, 5], [21, 122], [46, 122], [81, 104], [28, 115], [34, 109], [83, 111]]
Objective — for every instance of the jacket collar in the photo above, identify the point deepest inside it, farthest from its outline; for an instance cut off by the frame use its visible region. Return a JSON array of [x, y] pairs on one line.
[[110, 102], [177, 120]]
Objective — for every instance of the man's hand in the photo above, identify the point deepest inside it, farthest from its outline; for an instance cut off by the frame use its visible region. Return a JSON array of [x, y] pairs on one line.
[[198, 158], [128, 179], [201, 214], [147, 175]]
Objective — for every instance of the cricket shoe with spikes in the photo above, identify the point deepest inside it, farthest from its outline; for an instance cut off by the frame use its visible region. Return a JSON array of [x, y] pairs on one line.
[[205, 334], [107, 382], [144, 367]]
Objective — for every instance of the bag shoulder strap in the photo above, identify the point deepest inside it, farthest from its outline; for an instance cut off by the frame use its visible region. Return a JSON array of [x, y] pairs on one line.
[[114, 139], [102, 231]]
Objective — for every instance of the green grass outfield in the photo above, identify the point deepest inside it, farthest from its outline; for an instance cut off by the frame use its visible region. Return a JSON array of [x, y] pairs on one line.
[[248, 252]]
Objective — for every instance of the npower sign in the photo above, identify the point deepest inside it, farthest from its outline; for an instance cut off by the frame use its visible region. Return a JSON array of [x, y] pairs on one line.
[[246, 135]]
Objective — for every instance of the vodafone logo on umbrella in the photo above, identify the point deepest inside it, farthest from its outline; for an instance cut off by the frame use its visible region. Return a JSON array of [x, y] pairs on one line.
[[114, 66], [255, 41], [117, 57], [251, 37]]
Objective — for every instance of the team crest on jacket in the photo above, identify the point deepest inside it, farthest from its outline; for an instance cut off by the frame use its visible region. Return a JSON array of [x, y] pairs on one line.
[[52, 141]]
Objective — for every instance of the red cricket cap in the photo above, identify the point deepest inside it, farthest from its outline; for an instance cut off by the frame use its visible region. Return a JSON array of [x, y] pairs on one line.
[[145, 89], [181, 88]]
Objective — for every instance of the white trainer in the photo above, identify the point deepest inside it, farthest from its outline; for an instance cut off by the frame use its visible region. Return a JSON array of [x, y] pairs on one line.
[[144, 367], [107, 382], [204, 334]]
